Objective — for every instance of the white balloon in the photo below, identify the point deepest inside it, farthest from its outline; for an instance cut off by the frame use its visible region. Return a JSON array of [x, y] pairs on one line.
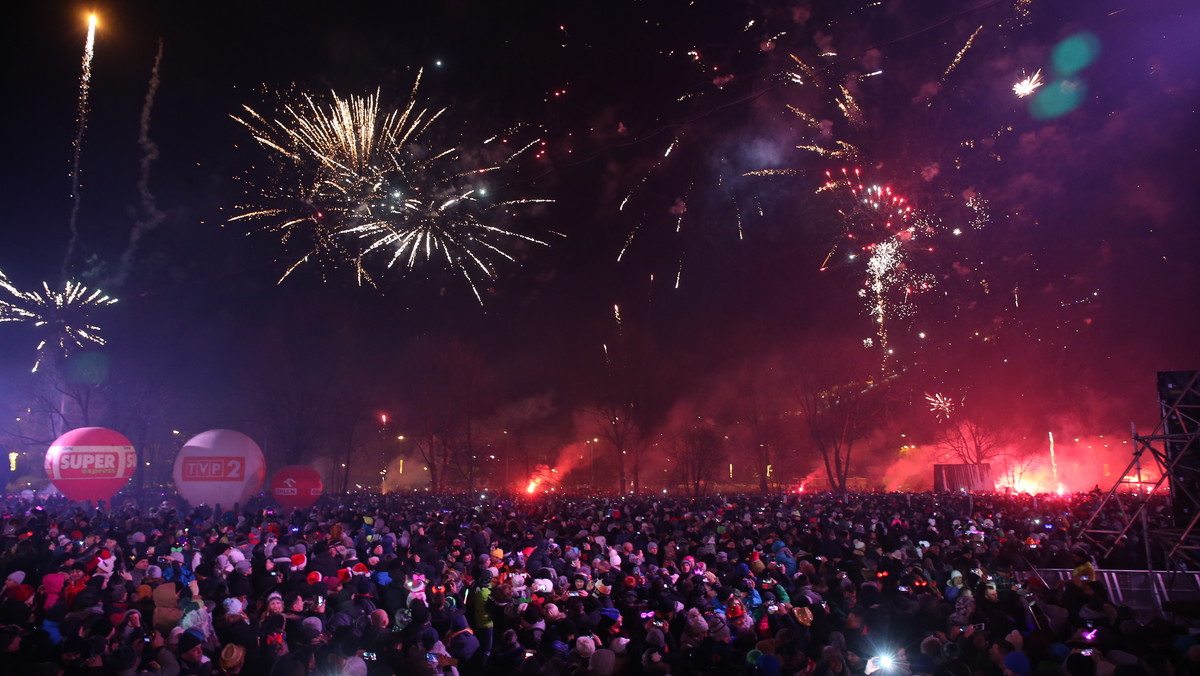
[[219, 467]]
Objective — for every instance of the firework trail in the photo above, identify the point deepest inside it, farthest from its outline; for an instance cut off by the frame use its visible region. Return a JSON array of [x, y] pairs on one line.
[[958, 57], [357, 181], [64, 315], [152, 217], [1053, 459], [85, 83]]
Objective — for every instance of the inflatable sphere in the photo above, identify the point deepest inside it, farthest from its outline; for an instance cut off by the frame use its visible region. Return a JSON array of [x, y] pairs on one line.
[[296, 487], [219, 467], [90, 463]]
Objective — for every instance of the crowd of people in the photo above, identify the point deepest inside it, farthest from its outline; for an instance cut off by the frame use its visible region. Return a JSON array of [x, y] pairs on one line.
[[376, 585]]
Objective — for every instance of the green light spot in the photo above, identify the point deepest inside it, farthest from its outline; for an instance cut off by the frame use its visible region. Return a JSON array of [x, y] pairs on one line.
[[1075, 53], [1057, 99]]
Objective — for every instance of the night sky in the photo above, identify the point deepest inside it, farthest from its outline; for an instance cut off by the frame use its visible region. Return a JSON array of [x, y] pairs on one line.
[[1070, 284]]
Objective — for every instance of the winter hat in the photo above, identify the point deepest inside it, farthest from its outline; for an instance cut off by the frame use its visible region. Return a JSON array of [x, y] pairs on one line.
[[239, 586], [603, 663], [1018, 663], [232, 606], [768, 665], [718, 629], [585, 647], [188, 640], [310, 629], [696, 622]]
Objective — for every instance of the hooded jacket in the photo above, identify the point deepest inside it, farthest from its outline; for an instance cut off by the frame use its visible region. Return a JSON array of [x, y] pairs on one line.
[[167, 613]]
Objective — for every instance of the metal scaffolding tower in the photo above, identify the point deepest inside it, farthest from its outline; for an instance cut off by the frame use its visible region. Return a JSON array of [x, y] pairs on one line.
[[1174, 450]]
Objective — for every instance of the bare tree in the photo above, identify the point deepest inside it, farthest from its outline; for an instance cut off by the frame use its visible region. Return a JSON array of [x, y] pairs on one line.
[[353, 426], [449, 389], [618, 426], [839, 401], [698, 453], [634, 378], [972, 442], [758, 403], [294, 417], [511, 432], [1019, 459]]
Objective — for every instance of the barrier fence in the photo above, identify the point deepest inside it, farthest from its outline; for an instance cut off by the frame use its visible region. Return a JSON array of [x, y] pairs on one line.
[[1141, 590]]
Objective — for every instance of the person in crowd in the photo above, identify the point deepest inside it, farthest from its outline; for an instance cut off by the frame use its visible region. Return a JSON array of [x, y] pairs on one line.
[[373, 585]]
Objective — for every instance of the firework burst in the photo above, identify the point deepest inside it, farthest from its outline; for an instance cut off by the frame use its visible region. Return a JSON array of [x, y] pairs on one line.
[[356, 182], [64, 317], [940, 405], [880, 227], [1027, 85]]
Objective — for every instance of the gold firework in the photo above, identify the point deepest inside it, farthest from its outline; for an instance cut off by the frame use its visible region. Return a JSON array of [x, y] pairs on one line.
[[355, 180]]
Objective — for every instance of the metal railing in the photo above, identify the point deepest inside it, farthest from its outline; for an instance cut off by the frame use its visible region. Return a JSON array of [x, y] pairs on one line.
[[1139, 589]]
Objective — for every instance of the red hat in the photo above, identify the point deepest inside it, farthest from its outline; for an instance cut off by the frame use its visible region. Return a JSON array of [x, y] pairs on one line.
[[343, 574], [314, 577], [735, 610], [528, 551], [360, 568], [105, 554], [754, 555], [299, 562]]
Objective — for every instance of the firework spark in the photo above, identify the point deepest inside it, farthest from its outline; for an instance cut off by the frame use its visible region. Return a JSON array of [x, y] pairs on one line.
[[850, 109], [63, 316], [359, 180], [958, 57], [1028, 85], [85, 85], [940, 405], [880, 226]]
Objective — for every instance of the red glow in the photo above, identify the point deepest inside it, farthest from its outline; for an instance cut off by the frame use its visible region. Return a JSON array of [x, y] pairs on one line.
[[531, 488]]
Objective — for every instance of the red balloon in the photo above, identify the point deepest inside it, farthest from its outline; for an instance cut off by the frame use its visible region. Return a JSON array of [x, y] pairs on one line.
[[90, 463], [297, 486]]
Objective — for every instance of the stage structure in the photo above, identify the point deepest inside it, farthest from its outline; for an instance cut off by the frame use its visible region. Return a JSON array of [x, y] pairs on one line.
[[1174, 450], [963, 477]]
